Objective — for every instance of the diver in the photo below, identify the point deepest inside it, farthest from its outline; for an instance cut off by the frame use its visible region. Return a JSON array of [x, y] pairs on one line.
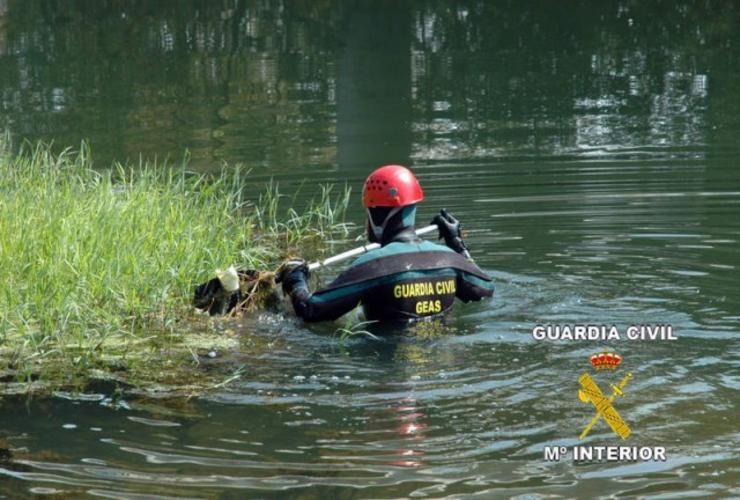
[[407, 278]]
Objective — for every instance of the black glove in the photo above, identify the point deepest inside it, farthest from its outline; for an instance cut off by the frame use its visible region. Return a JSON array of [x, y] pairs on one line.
[[449, 229], [291, 273]]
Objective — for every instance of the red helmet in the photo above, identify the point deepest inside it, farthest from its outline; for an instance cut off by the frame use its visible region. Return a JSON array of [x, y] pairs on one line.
[[391, 186]]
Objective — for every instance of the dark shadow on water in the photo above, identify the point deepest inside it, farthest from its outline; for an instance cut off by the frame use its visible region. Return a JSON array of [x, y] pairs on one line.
[[374, 85]]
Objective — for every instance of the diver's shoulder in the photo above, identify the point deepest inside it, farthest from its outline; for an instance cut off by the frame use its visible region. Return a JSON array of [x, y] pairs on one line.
[[430, 246]]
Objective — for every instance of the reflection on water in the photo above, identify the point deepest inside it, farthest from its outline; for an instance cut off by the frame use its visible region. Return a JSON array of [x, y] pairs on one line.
[[475, 420], [590, 153], [305, 84]]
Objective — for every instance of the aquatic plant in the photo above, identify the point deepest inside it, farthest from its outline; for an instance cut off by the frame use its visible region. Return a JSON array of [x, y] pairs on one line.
[[354, 329], [98, 266]]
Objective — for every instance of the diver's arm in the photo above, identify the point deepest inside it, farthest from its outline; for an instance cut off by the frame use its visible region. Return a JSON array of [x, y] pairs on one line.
[[321, 306], [472, 287]]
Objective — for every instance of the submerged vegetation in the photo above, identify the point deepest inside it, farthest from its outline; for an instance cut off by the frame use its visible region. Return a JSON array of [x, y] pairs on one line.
[[98, 266]]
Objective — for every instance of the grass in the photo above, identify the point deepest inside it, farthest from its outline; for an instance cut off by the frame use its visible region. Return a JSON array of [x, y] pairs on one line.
[[98, 266], [353, 330]]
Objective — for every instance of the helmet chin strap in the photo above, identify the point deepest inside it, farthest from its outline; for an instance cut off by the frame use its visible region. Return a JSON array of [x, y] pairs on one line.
[[378, 229]]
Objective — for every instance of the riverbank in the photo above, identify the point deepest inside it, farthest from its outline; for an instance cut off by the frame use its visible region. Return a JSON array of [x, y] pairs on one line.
[[98, 266]]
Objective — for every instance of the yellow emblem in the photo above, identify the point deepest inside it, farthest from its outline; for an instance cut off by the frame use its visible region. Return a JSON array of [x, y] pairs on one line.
[[590, 392]]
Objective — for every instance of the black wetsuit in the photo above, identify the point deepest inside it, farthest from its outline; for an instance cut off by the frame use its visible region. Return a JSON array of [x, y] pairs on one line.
[[406, 279]]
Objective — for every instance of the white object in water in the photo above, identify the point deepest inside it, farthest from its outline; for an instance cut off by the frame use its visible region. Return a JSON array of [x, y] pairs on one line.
[[229, 279]]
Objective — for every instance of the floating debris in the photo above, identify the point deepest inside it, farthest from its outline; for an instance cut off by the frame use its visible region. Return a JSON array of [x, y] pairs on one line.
[[220, 296]]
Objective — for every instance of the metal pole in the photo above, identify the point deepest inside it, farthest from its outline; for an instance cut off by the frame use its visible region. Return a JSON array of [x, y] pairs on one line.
[[360, 250]]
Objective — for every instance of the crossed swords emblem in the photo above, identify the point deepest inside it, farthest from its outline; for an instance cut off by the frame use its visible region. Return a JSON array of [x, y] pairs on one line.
[[590, 392]]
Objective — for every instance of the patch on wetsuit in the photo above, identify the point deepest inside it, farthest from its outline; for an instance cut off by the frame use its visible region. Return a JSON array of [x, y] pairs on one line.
[[427, 296]]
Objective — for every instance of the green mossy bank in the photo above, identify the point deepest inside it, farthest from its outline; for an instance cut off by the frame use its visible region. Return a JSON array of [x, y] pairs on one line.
[[98, 266]]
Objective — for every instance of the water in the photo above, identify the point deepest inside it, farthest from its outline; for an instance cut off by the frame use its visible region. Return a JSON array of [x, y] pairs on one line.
[[591, 153]]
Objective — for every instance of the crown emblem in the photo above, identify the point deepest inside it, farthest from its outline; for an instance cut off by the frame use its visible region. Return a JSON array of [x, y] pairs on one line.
[[606, 360]]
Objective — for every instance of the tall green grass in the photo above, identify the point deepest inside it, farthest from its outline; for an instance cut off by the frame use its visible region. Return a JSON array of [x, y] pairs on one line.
[[100, 261]]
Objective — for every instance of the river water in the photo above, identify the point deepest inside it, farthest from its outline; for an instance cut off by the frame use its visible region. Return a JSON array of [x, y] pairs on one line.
[[591, 152]]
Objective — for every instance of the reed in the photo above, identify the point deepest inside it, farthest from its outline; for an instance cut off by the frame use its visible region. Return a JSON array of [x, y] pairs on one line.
[[98, 266]]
